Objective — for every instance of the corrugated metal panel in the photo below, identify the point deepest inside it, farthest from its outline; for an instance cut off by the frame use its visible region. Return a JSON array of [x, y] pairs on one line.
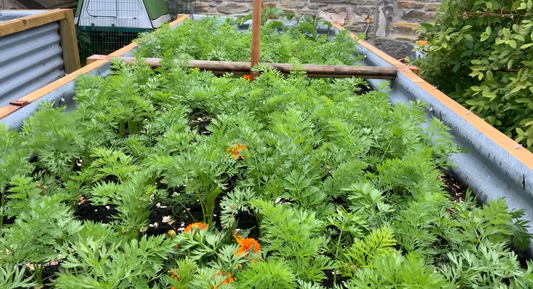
[[6, 15], [29, 60]]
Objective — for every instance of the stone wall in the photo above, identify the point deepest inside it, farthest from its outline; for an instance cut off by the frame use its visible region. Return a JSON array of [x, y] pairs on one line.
[[392, 26]]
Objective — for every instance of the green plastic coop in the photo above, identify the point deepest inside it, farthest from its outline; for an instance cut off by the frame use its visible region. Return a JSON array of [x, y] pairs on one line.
[[104, 26]]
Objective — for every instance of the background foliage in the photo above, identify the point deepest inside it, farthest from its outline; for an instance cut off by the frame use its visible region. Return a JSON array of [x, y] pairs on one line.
[[481, 54]]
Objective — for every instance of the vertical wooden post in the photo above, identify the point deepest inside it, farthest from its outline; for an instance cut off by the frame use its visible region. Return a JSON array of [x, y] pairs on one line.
[[69, 42], [256, 35]]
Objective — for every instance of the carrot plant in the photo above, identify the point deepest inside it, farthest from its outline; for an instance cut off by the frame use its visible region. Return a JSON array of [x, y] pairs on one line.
[[179, 178]]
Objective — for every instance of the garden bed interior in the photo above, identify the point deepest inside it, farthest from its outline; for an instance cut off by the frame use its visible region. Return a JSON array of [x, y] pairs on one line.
[[172, 177]]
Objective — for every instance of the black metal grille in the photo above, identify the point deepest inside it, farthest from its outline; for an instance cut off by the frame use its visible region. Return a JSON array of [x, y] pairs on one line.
[[176, 7], [102, 42], [104, 38]]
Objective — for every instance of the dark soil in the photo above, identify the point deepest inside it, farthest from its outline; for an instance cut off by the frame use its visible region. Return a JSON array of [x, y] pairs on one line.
[[329, 282], [8, 221], [247, 221], [181, 218], [456, 190], [199, 121], [361, 89], [157, 226], [100, 214], [48, 274]]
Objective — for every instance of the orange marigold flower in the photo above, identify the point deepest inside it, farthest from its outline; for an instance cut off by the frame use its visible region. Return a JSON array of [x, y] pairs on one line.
[[235, 151], [200, 226], [174, 275], [247, 77], [422, 42], [226, 280], [246, 245]]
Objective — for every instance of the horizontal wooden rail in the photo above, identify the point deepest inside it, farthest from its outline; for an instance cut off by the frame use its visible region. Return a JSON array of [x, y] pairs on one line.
[[241, 68]]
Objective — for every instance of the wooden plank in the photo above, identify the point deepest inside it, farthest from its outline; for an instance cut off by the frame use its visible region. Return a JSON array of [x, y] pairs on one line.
[[244, 67], [256, 36], [509, 145], [414, 69], [8, 109], [25, 23], [69, 42]]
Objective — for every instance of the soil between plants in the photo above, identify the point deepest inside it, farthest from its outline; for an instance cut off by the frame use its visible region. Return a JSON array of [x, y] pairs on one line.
[[183, 215], [48, 274], [456, 189], [99, 214]]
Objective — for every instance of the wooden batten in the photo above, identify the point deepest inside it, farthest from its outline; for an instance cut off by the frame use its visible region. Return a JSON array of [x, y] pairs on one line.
[[325, 71], [256, 36], [25, 23], [69, 42]]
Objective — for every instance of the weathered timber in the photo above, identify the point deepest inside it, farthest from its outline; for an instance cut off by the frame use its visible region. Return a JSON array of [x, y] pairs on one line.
[[256, 35], [241, 68]]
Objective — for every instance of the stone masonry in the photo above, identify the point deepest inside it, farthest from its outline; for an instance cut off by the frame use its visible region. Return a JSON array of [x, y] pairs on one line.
[[392, 27]]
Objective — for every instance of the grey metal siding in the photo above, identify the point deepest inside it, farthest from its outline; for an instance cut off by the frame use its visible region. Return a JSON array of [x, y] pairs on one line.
[[29, 60], [6, 15]]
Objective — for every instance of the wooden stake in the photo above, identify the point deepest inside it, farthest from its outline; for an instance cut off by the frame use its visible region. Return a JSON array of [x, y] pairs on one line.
[[243, 68], [256, 35], [69, 42]]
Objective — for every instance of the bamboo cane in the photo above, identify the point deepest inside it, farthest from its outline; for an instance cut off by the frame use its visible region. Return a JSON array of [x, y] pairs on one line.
[[242, 68]]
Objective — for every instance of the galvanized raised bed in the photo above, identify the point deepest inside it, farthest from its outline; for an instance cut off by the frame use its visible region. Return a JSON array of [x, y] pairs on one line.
[[37, 47], [494, 167]]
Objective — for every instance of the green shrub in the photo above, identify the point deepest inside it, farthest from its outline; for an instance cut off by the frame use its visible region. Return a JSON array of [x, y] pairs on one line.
[[481, 54]]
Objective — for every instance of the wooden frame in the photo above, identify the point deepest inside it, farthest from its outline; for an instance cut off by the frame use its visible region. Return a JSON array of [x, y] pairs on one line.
[[29, 98], [67, 31], [509, 145]]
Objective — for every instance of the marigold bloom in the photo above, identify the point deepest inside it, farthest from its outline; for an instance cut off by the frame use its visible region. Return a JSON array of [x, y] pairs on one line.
[[173, 275], [247, 77], [246, 245], [235, 151], [200, 226], [226, 280], [422, 42]]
